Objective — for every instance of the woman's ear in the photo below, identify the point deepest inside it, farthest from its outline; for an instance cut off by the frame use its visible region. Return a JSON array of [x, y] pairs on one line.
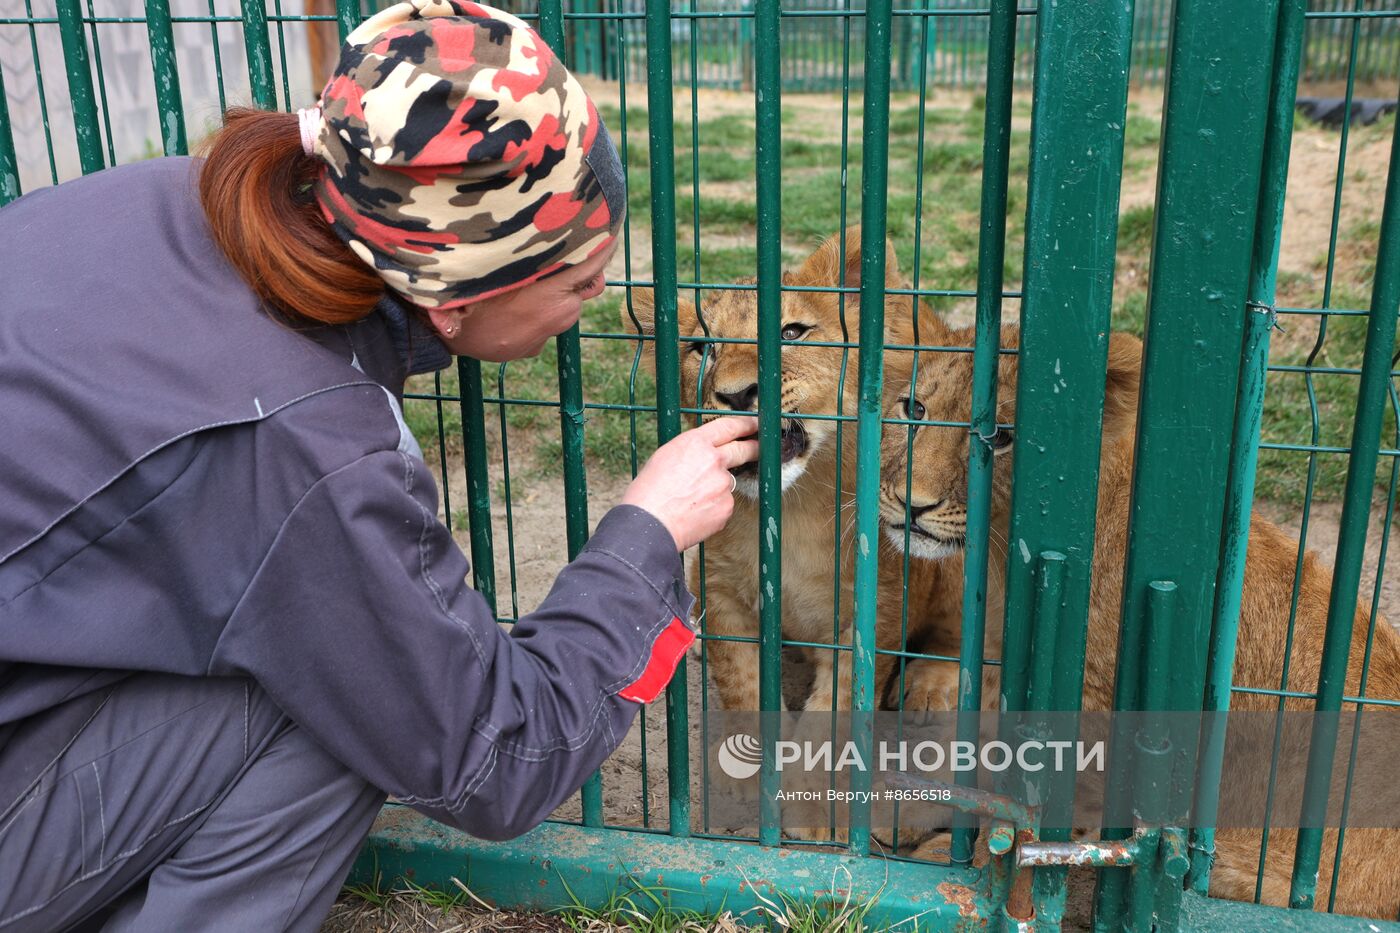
[[447, 321]]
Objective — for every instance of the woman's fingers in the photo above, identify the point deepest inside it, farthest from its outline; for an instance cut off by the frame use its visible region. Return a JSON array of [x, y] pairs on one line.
[[723, 430], [738, 453]]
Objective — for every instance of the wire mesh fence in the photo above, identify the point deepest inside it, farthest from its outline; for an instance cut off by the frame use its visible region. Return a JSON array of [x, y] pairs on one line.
[[813, 53], [973, 137]]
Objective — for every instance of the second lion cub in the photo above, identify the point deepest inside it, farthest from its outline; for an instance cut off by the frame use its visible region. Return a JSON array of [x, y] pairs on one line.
[[936, 515]]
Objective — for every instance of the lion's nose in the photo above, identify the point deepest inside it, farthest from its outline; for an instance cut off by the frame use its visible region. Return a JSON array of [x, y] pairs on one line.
[[918, 510], [743, 400]]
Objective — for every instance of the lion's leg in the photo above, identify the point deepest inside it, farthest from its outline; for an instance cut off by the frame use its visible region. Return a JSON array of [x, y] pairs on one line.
[[826, 690], [732, 664]]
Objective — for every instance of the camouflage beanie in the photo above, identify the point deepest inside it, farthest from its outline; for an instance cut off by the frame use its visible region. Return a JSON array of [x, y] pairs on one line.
[[463, 159]]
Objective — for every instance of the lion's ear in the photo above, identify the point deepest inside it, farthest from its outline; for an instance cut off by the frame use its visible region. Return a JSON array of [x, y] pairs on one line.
[[641, 319], [1120, 400], [824, 266]]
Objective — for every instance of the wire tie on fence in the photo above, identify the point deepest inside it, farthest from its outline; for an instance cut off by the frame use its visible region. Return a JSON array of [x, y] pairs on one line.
[[984, 438], [1261, 307]]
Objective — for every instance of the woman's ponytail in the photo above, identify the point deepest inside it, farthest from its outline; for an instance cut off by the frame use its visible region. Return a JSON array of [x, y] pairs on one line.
[[256, 190]]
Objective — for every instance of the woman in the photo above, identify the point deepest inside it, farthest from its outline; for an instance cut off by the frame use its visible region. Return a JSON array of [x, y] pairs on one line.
[[229, 619]]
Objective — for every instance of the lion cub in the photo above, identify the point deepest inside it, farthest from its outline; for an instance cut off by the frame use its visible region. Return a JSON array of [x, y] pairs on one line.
[[937, 517], [812, 384]]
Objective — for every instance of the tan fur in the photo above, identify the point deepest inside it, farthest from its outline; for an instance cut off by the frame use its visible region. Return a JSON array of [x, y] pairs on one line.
[[1370, 884], [811, 384]]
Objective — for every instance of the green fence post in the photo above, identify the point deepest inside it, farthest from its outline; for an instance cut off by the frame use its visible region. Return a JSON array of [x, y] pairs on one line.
[[347, 16], [1244, 449], [1080, 105], [1152, 754], [75, 59], [660, 133], [768, 162], [747, 26], [9, 165], [478, 484], [1202, 243], [571, 422], [1351, 543], [259, 54], [167, 75], [873, 203], [991, 253]]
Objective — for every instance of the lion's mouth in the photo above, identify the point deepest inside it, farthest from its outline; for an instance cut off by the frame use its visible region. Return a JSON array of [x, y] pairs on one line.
[[793, 445], [898, 529]]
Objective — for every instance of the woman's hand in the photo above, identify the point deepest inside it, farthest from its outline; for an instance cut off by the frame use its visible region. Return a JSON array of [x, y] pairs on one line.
[[687, 484]]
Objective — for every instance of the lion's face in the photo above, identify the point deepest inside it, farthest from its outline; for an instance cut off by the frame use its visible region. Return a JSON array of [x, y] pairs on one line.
[[929, 501], [723, 376], [923, 484]]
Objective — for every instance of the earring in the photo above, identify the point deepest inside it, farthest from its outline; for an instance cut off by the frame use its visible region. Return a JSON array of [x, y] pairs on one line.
[[450, 331]]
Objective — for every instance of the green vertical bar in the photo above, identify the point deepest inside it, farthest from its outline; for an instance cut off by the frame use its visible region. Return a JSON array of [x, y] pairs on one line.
[[9, 165], [167, 75], [347, 16], [1048, 613], [873, 200], [1080, 105], [1049, 595], [218, 63], [1153, 753], [668, 417], [1351, 543], [768, 162], [571, 421], [1191, 356], [1249, 410], [991, 252], [1071, 233], [259, 54], [478, 484], [75, 59], [102, 86]]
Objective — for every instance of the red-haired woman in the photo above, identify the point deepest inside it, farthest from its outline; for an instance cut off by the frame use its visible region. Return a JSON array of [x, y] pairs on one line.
[[230, 621]]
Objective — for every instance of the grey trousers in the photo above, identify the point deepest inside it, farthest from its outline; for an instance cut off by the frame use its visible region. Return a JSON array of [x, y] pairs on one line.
[[173, 803]]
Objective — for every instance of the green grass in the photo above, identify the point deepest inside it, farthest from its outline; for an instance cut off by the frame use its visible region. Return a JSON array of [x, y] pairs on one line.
[[644, 909], [376, 892], [1135, 229], [1317, 409]]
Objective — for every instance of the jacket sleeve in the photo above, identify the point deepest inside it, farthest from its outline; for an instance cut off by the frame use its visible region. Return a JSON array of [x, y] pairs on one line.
[[360, 625]]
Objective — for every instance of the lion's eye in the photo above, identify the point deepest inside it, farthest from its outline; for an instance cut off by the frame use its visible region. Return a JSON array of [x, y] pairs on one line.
[[795, 331], [913, 409], [1002, 439], [696, 346]]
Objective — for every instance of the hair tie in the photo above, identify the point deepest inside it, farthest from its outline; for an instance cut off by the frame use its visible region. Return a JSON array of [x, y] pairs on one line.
[[309, 119]]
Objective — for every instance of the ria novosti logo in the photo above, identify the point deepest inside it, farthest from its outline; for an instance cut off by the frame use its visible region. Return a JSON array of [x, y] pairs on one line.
[[740, 756]]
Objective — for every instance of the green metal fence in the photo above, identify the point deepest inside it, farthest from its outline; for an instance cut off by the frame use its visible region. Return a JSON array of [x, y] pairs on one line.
[[956, 45], [1006, 211]]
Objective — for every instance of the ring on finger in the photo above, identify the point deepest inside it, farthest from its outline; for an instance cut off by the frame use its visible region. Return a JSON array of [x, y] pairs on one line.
[[733, 483]]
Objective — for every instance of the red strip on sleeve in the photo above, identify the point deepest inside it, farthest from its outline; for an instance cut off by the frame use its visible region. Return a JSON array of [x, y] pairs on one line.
[[666, 653]]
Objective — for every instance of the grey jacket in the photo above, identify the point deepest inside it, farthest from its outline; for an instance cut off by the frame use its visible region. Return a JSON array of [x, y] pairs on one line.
[[189, 485]]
